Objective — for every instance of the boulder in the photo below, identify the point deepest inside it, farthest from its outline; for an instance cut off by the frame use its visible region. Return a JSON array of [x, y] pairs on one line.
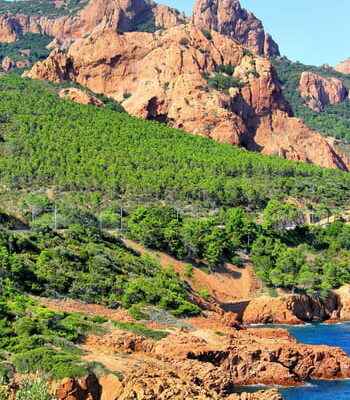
[[80, 96]]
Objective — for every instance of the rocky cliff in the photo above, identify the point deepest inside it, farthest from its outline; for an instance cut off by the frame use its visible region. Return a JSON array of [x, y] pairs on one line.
[[121, 16], [174, 76], [291, 310], [319, 92], [229, 18]]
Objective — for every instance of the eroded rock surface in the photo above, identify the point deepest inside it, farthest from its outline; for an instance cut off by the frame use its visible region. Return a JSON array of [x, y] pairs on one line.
[[290, 309], [319, 92], [229, 18]]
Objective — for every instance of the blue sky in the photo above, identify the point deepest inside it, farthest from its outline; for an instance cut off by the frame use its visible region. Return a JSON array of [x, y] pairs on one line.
[[311, 31]]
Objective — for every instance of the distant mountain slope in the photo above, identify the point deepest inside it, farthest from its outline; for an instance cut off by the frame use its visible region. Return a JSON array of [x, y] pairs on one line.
[[335, 119]]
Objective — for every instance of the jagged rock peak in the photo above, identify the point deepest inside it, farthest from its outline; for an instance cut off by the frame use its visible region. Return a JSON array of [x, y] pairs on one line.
[[229, 18]]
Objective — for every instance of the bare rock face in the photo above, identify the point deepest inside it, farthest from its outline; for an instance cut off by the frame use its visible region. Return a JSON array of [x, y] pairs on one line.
[[344, 67], [79, 96], [121, 16], [87, 388], [229, 18], [343, 294], [162, 76], [7, 64], [319, 92], [290, 309]]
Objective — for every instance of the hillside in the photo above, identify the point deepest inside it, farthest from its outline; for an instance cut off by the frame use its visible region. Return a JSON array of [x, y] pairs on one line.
[[81, 148], [63, 163], [335, 119]]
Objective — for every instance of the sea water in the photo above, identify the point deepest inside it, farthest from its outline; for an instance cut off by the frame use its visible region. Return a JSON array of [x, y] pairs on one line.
[[333, 335]]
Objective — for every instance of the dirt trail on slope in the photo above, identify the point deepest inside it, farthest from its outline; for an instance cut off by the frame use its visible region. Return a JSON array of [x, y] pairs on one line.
[[228, 284], [76, 306]]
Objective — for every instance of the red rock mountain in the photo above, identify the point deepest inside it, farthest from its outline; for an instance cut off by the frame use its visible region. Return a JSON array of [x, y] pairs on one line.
[[319, 92], [344, 67], [164, 76], [229, 18]]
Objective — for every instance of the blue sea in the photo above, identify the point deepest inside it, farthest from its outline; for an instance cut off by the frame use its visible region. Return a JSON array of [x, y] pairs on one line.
[[333, 335]]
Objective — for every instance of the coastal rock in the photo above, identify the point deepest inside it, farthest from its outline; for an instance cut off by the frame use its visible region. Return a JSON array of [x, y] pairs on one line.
[[319, 92], [229, 18], [79, 96], [163, 77], [290, 309], [248, 358], [343, 67], [343, 294], [261, 395]]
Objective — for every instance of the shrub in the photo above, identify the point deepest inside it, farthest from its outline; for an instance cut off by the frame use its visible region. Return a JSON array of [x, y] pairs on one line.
[[137, 313], [188, 271], [207, 34], [204, 293], [184, 41], [220, 81], [34, 390], [227, 69]]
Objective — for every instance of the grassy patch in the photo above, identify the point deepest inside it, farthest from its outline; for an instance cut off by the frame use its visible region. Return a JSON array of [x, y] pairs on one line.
[[141, 330]]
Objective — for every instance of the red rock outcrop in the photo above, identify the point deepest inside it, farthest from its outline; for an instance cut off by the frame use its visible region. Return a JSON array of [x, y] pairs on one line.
[[148, 382], [162, 76], [87, 388], [229, 18], [319, 92], [343, 294], [121, 16], [343, 67], [246, 358], [290, 309], [8, 64], [79, 96]]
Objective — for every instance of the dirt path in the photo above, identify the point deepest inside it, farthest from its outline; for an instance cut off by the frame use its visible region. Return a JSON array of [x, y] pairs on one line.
[[76, 306], [227, 284]]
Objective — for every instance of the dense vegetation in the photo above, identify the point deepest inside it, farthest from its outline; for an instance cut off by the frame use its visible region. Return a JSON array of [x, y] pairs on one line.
[[335, 120], [30, 47], [35, 339], [45, 8], [84, 264], [286, 254], [90, 154]]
